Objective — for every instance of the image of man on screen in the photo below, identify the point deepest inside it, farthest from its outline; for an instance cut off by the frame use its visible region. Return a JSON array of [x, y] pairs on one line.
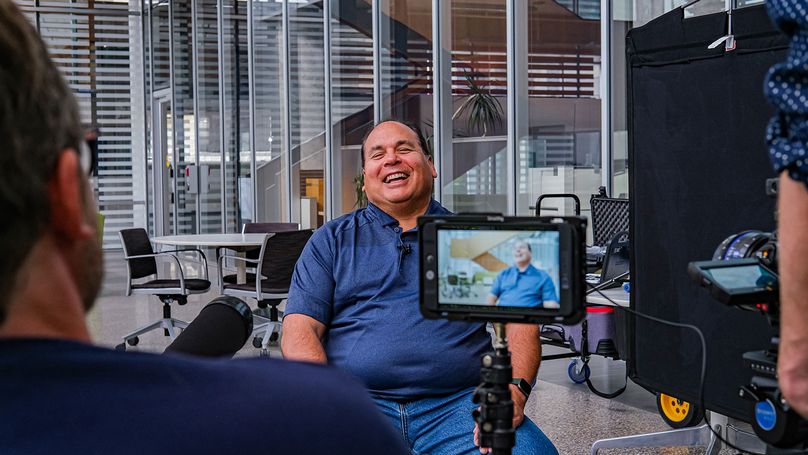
[[523, 285]]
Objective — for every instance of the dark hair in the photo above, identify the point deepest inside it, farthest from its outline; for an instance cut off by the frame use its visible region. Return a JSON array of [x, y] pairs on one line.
[[38, 119], [421, 139], [523, 241]]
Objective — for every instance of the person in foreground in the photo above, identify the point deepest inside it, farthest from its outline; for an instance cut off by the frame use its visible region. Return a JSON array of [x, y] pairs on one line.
[[60, 394], [523, 285], [353, 303], [787, 138]]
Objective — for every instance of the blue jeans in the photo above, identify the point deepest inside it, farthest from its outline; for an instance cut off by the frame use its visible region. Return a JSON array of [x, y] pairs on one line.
[[443, 425]]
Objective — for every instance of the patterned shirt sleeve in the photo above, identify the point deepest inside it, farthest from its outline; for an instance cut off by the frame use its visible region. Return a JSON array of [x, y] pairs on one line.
[[786, 87]]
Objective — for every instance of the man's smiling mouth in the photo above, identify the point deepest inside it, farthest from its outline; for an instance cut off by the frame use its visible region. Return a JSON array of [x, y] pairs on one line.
[[395, 177]]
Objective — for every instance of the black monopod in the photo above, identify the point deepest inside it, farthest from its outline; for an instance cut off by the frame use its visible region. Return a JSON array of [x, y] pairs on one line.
[[495, 415]]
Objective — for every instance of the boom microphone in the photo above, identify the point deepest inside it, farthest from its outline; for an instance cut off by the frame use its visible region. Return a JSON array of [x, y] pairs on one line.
[[220, 330]]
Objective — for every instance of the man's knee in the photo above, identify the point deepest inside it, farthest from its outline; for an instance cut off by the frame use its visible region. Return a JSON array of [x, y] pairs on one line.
[[530, 440]]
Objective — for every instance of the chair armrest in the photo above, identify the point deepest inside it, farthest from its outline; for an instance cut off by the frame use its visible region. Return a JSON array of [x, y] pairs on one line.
[[140, 256], [176, 259], [194, 250], [220, 269], [237, 258]]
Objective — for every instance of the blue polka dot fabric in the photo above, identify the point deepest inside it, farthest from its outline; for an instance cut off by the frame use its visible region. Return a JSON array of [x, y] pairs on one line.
[[786, 86]]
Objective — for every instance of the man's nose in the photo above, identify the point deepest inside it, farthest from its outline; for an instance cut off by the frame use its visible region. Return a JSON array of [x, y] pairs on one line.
[[390, 156]]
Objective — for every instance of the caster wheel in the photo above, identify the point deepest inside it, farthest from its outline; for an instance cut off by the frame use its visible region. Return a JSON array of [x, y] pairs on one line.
[[678, 413], [133, 341], [274, 337], [257, 341], [578, 376], [121, 347]]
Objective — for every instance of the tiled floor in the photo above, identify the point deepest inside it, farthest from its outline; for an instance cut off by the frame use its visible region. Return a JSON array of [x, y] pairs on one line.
[[569, 414]]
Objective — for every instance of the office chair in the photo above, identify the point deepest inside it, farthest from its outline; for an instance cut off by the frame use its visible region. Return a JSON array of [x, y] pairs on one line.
[[141, 263], [257, 228], [270, 287], [452, 286]]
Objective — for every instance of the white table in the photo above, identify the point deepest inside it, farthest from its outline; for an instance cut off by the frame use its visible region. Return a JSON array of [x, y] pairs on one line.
[[238, 242], [212, 240]]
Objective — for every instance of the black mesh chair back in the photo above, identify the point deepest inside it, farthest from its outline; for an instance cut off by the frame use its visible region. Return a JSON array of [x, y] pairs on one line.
[[266, 228], [609, 217], [135, 243], [280, 255]]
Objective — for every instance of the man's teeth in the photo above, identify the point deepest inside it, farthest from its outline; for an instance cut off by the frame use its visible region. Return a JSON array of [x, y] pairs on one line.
[[391, 177]]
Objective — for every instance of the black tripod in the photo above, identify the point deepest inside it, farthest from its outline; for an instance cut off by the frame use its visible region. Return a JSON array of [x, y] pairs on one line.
[[495, 415]]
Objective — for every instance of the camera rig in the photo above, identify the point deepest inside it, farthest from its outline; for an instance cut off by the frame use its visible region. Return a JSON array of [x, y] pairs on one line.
[[743, 274], [472, 242]]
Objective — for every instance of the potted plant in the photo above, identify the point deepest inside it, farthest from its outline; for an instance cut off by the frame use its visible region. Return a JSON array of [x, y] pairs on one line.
[[359, 184], [484, 109]]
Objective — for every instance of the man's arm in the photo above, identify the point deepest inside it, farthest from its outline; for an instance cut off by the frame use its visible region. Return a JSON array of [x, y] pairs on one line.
[[302, 339], [548, 293], [525, 347], [792, 251], [495, 291]]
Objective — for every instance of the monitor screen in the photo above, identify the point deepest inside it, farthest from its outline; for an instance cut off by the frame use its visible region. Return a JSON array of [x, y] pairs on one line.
[[745, 277], [516, 269]]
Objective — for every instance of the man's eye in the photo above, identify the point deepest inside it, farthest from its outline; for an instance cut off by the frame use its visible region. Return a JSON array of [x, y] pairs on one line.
[[377, 155], [404, 150]]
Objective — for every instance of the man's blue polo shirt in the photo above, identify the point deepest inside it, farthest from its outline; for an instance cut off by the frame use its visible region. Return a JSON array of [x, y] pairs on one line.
[[358, 275], [530, 288]]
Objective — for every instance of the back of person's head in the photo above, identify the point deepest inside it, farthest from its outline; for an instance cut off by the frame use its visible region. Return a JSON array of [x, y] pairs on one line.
[[39, 119]]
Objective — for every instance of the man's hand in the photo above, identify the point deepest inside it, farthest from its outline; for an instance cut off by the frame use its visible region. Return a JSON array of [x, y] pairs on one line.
[[519, 401]]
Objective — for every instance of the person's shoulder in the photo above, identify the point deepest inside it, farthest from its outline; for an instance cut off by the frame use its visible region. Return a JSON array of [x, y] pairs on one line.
[[533, 269], [303, 382], [344, 223], [435, 208], [291, 376], [320, 396], [541, 272]]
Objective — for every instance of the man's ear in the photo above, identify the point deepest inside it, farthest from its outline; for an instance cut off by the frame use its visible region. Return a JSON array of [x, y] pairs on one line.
[[67, 205], [432, 165]]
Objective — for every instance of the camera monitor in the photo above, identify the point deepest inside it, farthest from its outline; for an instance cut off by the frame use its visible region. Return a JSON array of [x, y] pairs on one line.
[[739, 282], [502, 269]]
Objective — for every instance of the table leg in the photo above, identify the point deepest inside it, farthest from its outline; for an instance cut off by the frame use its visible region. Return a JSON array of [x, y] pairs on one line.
[[241, 268]]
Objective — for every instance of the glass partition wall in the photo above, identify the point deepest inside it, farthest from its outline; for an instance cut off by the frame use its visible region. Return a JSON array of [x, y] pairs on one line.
[[213, 113], [558, 131], [254, 110], [271, 100], [99, 48]]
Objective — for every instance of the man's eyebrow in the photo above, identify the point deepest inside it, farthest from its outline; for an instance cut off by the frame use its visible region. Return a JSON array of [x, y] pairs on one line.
[[398, 144]]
